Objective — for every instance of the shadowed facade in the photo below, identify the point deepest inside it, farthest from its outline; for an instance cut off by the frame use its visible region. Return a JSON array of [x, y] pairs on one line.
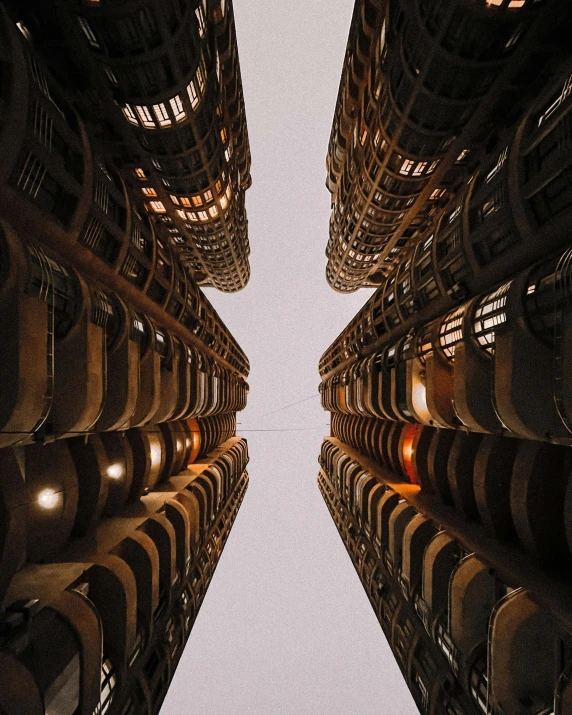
[[121, 470], [448, 469]]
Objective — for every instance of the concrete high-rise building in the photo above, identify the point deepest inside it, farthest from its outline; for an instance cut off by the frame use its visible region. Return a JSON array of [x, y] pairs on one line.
[[449, 467], [121, 469], [425, 85]]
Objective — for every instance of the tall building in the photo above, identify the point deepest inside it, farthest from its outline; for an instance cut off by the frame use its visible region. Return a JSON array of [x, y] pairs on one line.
[[424, 86], [121, 470], [448, 471]]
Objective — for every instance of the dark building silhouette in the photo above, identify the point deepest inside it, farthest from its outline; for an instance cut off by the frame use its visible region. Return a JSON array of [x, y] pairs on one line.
[[448, 470], [121, 470]]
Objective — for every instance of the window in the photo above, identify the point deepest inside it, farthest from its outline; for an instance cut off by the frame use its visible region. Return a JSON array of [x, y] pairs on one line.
[[140, 173], [201, 74], [178, 109], [201, 20], [208, 195], [145, 117], [406, 167], [181, 213], [175, 200], [420, 168], [192, 216], [185, 201], [223, 135], [203, 216], [88, 32], [162, 115], [197, 200], [157, 207], [223, 202], [129, 114], [149, 191], [558, 101], [213, 211], [193, 96]]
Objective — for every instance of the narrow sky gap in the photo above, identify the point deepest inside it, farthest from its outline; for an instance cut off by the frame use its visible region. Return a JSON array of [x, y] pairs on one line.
[[286, 627]]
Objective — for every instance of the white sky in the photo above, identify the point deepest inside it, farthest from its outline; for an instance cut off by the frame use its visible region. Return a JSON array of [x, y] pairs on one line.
[[286, 627]]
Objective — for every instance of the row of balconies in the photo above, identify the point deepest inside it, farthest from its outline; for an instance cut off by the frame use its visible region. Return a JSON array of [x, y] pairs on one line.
[[64, 195], [496, 481], [493, 635], [425, 669], [77, 359], [182, 122], [102, 630], [51, 493], [466, 370], [489, 231], [426, 116]]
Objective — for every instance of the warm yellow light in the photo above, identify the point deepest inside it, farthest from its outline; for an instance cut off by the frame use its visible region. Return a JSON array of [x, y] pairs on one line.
[[155, 455], [48, 498], [115, 471]]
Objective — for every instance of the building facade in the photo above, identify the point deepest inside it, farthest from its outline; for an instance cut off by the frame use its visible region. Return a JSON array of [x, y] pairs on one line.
[[448, 468], [424, 86], [122, 471]]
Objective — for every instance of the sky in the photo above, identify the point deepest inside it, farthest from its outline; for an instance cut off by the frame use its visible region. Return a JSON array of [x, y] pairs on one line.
[[286, 627]]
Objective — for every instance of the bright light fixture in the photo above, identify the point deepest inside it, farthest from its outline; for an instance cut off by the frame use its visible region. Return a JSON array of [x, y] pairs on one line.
[[48, 498], [115, 471]]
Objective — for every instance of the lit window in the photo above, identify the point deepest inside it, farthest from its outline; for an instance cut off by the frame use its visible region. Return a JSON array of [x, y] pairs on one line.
[[227, 154], [145, 117], [193, 96], [213, 211], [223, 135], [192, 216], [499, 165], [223, 202], [218, 186], [197, 200], [181, 213], [175, 200], [157, 165], [140, 173], [162, 115], [363, 137], [149, 191], [462, 155], [437, 194], [88, 32], [201, 19], [208, 196], [228, 192], [201, 76], [185, 201], [129, 114], [558, 101], [178, 109], [420, 168], [406, 166], [203, 216], [157, 207]]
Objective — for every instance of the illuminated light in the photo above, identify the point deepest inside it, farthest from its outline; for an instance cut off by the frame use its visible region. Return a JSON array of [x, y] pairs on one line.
[[140, 173], [407, 452], [115, 471], [419, 399], [48, 498], [155, 456]]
